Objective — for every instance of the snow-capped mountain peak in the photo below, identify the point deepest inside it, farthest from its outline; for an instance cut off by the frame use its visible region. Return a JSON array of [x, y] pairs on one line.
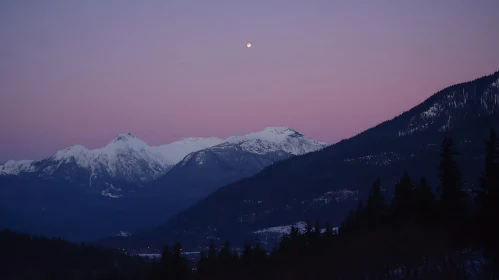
[[272, 134], [127, 140], [127, 158], [72, 151], [272, 139], [125, 137]]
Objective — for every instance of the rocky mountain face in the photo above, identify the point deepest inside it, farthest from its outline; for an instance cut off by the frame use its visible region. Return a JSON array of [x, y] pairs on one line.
[[125, 161], [326, 184], [202, 172], [128, 185]]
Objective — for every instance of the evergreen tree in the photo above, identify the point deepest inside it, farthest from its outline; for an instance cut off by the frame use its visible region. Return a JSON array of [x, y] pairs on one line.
[[207, 263], [489, 182], [452, 197], [360, 216], [315, 238], [203, 265], [376, 207], [178, 264], [487, 196], [247, 257], [165, 262], [165, 255], [317, 229], [308, 228], [424, 203], [225, 254], [259, 254], [329, 233], [294, 232], [177, 249], [349, 225], [235, 255], [212, 251], [224, 259], [401, 210]]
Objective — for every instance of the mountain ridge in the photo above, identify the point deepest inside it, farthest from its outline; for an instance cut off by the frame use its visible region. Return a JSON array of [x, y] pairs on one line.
[[128, 186], [17, 166], [324, 185], [128, 158]]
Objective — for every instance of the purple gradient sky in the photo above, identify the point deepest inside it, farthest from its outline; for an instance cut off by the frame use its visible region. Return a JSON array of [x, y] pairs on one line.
[[84, 71]]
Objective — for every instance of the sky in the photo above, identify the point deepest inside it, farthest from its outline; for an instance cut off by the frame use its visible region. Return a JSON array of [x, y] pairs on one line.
[[82, 72]]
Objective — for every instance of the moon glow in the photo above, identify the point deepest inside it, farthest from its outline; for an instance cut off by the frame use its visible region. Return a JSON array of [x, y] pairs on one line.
[[248, 45]]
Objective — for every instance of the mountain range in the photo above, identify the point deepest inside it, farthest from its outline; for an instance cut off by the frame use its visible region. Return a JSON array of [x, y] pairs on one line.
[[125, 159], [79, 193], [326, 184]]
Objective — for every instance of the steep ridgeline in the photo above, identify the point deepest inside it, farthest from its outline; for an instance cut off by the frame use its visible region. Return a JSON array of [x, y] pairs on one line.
[[84, 194], [324, 185], [115, 170], [202, 172]]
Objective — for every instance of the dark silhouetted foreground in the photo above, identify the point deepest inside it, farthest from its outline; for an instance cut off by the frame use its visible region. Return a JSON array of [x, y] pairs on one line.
[[452, 234]]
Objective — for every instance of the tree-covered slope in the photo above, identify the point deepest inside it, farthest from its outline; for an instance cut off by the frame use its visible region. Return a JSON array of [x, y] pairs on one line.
[[324, 185]]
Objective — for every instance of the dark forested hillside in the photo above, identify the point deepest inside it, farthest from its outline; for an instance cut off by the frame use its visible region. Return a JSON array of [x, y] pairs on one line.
[[417, 234], [83, 194], [23, 256], [191, 181], [325, 185]]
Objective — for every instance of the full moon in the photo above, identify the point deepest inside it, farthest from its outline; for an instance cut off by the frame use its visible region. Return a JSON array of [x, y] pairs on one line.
[[248, 45]]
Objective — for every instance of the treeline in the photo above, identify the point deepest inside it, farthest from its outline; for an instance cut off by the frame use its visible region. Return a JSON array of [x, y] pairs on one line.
[[23, 256], [419, 234]]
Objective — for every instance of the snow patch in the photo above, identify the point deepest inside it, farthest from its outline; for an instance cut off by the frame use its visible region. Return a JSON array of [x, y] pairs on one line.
[[109, 194], [123, 234], [150, 256], [15, 167], [283, 229], [432, 112], [286, 229]]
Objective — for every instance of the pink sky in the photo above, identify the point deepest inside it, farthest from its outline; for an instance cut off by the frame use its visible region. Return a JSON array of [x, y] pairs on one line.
[[83, 72]]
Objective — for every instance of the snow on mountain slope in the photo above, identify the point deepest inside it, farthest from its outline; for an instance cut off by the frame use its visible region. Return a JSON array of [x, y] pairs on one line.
[[127, 162], [272, 235], [285, 229], [451, 106], [176, 151], [268, 145], [15, 167], [127, 157], [272, 139]]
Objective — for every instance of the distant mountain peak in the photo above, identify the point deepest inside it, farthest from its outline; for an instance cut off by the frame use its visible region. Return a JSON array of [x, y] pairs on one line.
[[125, 141], [275, 134], [73, 150], [272, 139], [128, 158], [125, 137], [278, 129], [281, 130]]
